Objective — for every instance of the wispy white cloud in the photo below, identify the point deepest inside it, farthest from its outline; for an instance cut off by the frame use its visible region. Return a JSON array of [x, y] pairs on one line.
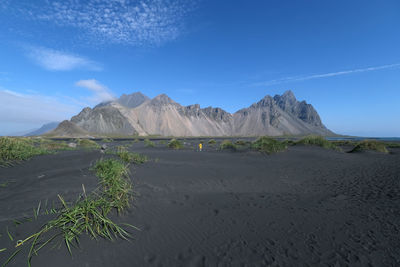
[[100, 92], [132, 22], [55, 60], [324, 75], [20, 112], [27, 111]]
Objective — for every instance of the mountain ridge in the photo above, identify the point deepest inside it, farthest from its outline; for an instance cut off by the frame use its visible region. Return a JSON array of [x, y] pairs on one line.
[[136, 114]]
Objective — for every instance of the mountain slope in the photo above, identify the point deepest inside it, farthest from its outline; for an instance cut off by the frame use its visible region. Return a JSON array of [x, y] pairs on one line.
[[104, 120], [280, 115], [137, 114], [44, 129], [67, 129]]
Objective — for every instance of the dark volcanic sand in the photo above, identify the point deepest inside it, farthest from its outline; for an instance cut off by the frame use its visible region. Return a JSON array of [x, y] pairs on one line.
[[304, 207]]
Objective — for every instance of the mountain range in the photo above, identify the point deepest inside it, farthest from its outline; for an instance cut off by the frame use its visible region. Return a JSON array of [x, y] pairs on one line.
[[137, 114]]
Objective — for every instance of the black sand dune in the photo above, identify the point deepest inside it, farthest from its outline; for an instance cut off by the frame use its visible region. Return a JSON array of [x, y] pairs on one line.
[[304, 207]]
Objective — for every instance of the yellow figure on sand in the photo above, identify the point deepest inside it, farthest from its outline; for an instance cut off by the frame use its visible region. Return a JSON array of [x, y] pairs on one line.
[[200, 146]]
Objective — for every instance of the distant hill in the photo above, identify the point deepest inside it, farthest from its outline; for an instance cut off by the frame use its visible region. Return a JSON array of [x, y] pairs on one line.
[[44, 129], [138, 114], [68, 129]]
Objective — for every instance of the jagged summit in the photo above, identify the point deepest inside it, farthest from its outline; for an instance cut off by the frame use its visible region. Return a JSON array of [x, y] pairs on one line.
[[133, 100], [162, 99], [137, 114]]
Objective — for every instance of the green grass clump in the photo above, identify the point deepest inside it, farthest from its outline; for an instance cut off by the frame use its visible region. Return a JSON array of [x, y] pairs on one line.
[[162, 142], [289, 142], [268, 145], [317, 141], [227, 144], [392, 145], [212, 142], [89, 214], [53, 145], [106, 140], [16, 149], [370, 145], [130, 157], [148, 143], [114, 179], [175, 144], [87, 143], [344, 143], [241, 143]]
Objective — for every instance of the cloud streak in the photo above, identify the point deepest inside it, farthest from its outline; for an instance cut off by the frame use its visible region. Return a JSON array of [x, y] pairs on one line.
[[32, 109], [100, 92], [55, 60], [130, 22], [324, 75]]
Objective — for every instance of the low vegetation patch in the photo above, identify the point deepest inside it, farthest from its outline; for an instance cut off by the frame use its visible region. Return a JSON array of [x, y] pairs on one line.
[[392, 145], [227, 145], [16, 149], [87, 143], [148, 143], [317, 141], [344, 143], [162, 142], [175, 144], [212, 142], [289, 142], [115, 182], [54, 145], [268, 145], [106, 140], [130, 157], [89, 213], [371, 145], [242, 143]]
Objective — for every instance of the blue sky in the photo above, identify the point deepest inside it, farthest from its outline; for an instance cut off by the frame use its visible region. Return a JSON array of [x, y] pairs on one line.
[[343, 57]]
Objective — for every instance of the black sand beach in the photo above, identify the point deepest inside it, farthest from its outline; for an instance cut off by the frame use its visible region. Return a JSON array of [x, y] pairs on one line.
[[307, 206]]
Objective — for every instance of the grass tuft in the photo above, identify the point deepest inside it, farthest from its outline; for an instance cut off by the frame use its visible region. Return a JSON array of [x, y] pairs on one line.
[[317, 141], [268, 145], [87, 143], [17, 149], [175, 144], [148, 143], [344, 142], [392, 145], [89, 214], [370, 145], [241, 143], [106, 140], [227, 145], [212, 142], [55, 146], [129, 157], [114, 179]]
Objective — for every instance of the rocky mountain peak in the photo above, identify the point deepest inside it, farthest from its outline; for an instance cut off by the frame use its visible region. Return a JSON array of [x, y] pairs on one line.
[[132, 100], [278, 115], [289, 95], [162, 99], [267, 101]]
